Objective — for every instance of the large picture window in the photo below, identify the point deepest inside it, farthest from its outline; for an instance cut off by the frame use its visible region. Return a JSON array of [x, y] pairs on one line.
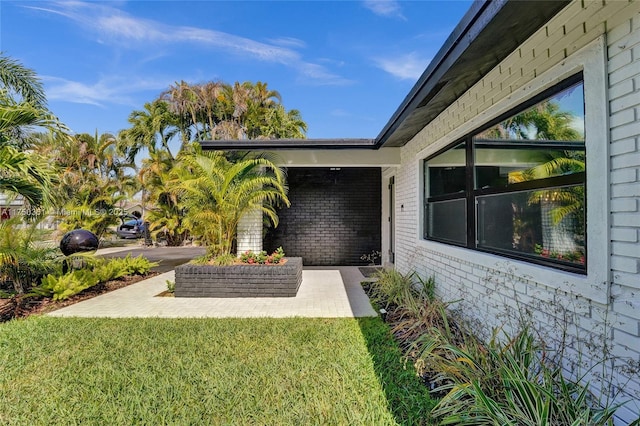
[[517, 186]]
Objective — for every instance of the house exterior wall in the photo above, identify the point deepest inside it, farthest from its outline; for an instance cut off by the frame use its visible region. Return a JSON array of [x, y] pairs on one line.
[[334, 216], [601, 310]]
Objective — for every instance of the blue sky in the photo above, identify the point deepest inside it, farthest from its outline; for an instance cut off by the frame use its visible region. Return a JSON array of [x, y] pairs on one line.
[[346, 65]]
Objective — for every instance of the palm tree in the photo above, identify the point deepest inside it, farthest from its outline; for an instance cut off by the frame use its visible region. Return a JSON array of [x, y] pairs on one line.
[[22, 107], [281, 124], [164, 210], [183, 102], [562, 209], [151, 129], [27, 175], [94, 178], [216, 193], [18, 81]]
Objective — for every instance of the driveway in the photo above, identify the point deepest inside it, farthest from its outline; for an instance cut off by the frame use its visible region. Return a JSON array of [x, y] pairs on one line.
[[169, 257]]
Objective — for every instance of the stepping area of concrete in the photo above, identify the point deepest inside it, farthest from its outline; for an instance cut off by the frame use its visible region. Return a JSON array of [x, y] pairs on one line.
[[324, 292]]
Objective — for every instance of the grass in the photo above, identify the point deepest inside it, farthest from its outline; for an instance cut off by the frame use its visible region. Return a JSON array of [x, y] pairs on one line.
[[205, 371]]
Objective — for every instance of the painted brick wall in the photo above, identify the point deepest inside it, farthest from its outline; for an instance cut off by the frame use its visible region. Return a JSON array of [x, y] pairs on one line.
[[492, 290], [334, 216], [624, 103]]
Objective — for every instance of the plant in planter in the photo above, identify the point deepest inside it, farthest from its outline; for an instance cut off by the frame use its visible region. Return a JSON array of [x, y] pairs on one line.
[[262, 258], [216, 193]]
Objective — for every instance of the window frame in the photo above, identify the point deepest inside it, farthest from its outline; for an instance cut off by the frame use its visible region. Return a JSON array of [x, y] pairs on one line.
[[472, 194]]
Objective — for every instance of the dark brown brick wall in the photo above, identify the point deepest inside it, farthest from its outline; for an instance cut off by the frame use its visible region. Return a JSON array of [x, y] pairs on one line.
[[334, 216]]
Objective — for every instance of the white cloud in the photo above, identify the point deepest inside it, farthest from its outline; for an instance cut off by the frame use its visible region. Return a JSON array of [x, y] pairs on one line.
[[113, 26], [105, 91], [341, 113], [289, 41], [406, 67], [385, 8]]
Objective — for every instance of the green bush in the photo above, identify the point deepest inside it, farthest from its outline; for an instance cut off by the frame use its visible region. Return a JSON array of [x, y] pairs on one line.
[[22, 262], [224, 260], [107, 271], [262, 257], [67, 285], [508, 382], [395, 290], [133, 265], [95, 271]]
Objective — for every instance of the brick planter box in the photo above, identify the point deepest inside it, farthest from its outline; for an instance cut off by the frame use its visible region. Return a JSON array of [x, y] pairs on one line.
[[239, 280]]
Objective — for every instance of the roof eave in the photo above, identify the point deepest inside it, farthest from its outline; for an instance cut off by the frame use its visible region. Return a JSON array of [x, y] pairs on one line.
[[287, 144], [487, 34]]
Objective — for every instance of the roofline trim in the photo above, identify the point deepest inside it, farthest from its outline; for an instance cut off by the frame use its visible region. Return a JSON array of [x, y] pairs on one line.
[[458, 41], [274, 144]]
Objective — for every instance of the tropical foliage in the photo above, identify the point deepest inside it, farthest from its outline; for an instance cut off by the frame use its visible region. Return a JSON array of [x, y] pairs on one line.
[[22, 262], [93, 179], [23, 108], [95, 271], [216, 193], [194, 112], [216, 110], [512, 379]]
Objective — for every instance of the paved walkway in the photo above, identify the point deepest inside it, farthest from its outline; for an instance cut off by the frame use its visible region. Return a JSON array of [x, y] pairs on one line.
[[324, 292]]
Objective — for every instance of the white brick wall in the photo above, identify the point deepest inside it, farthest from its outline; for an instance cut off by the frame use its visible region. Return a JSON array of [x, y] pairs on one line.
[[250, 232], [491, 288]]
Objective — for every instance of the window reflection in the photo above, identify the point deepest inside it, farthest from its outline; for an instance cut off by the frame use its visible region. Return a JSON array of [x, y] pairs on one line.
[[528, 184]]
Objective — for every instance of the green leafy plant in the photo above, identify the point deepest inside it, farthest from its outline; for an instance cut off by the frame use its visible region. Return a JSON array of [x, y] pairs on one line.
[[135, 265], [223, 260], [94, 271], [23, 263], [392, 289], [262, 258], [171, 286], [217, 193], [510, 382], [64, 286]]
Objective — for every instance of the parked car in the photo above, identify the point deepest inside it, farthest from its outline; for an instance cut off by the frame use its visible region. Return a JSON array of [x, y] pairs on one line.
[[132, 227]]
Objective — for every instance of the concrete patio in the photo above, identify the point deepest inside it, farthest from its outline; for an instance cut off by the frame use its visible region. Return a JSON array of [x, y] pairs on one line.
[[324, 292]]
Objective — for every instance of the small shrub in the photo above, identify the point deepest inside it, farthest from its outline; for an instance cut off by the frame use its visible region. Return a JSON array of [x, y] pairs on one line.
[[67, 285], [107, 271], [94, 271], [393, 289], [262, 258], [135, 265], [171, 286], [372, 258], [201, 260], [509, 381], [224, 260]]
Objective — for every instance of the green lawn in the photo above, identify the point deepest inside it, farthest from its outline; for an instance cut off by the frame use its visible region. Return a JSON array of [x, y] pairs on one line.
[[205, 371]]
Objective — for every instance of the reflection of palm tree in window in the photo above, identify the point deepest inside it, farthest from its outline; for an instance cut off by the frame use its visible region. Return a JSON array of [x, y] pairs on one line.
[[561, 218], [545, 121], [562, 208]]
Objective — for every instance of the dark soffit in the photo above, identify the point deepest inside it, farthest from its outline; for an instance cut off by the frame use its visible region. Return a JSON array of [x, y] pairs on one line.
[[486, 35]]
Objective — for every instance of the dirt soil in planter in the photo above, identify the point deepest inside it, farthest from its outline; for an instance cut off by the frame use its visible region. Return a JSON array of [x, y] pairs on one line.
[[21, 307]]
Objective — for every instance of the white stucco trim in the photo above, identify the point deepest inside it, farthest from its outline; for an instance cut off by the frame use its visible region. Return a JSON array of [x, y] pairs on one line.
[[386, 215], [596, 284], [383, 157]]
